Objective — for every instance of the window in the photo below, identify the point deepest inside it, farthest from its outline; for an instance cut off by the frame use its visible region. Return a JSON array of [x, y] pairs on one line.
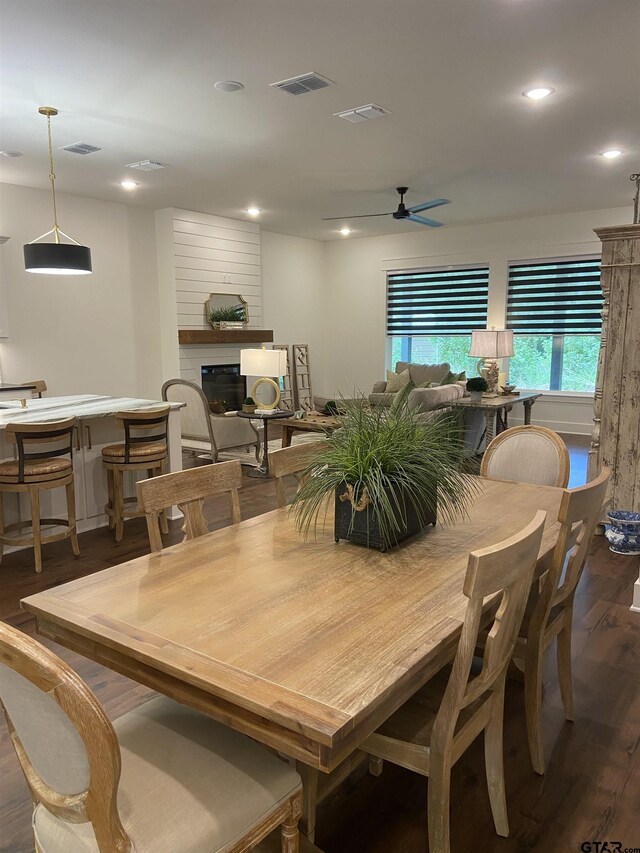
[[431, 314], [555, 311]]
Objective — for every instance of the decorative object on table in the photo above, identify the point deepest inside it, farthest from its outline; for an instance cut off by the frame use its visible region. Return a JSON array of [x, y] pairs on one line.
[[623, 531], [330, 408], [507, 389], [287, 391], [476, 386], [249, 405], [302, 375], [299, 414], [56, 258], [265, 363], [226, 311], [487, 345], [387, 471]]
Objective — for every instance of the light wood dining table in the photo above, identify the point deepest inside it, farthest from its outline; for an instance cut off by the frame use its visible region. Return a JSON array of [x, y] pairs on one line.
[[305, 645]]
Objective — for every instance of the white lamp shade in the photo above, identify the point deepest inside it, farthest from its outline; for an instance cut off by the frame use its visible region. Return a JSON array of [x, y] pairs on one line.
[[263, 362], [488, 343]]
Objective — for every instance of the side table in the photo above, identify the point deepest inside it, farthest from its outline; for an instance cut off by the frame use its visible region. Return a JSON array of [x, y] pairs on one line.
[[263, 469], [496, 409]]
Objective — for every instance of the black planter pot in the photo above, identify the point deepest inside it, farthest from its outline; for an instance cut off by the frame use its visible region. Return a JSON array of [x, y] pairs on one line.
[[365, 530]]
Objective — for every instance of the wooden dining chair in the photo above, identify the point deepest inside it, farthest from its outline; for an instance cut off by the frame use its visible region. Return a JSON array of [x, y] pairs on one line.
[[430, 732], [161, 778], [549, 611], [527, 454], [291, 460], [188, 489]]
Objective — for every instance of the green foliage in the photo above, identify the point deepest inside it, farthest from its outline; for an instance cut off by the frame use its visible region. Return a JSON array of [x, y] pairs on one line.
[[435, 349], [530, 366], [394, 458], [249, 401], [227, 315], [477, 383], [331, 407]]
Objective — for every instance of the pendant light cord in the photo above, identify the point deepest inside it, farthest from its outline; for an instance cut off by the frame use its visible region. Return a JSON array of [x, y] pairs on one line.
[[52, 178]]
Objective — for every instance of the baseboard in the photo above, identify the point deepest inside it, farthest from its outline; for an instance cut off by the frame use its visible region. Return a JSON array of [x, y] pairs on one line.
[[563, 427]]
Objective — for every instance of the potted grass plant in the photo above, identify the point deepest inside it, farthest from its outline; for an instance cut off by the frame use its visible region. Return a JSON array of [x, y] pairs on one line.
[[389, 472]]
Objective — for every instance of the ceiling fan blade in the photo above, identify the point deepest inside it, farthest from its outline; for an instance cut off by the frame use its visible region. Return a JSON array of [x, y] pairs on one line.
[[424, 221], [435, 202], [357, 216]]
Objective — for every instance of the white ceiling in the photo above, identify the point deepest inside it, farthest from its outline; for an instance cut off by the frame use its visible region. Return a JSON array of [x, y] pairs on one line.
[[136, 78]]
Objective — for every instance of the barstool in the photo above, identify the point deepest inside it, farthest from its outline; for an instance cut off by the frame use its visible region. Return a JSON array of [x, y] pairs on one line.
[[145, 448], [49, 467]]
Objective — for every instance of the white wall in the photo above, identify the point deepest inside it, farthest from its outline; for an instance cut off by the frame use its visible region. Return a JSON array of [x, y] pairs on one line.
[[293, 296], [356, 286], [93, 334]]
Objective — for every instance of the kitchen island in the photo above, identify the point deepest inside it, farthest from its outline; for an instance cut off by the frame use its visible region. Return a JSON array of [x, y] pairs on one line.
[[95, 428]]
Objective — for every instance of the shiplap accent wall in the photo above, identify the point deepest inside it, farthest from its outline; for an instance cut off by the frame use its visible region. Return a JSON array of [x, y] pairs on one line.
[[213, 255]]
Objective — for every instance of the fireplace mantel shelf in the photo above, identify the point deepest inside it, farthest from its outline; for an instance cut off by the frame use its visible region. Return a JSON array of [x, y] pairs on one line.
[[225, 336]]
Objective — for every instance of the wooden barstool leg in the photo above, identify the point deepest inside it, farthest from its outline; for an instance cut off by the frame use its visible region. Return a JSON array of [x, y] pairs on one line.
[[34, 496], [118, 503], [71, 515], [110, 498], [164, 519]]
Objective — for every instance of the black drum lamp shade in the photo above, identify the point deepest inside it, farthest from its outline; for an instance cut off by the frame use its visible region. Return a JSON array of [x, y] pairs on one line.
[[56, 258]]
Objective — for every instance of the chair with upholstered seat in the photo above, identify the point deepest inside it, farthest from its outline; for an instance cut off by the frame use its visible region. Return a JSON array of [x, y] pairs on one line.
[[145, 448], [527, 454], [160, 779], [430, 732], [204, 432], [188, 489], [549, 612], [291, 460], [45, 462]]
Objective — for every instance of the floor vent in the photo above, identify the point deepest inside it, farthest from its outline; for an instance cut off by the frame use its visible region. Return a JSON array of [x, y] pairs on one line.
[[303, 83]]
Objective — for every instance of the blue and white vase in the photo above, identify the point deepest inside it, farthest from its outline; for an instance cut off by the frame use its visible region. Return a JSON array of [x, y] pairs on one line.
[[623, 531]]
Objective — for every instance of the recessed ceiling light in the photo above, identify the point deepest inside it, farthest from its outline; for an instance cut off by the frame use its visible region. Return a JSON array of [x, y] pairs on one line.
[[11, 153], [345, 231], [129, 185], [538, 93], [228, 86], [611, 154], [254, 211]]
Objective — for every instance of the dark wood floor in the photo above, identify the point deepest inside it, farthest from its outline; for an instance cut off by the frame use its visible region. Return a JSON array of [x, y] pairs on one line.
[[591, 791]]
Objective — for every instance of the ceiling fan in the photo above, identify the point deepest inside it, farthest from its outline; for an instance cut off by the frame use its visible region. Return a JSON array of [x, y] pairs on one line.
[[403, 212]]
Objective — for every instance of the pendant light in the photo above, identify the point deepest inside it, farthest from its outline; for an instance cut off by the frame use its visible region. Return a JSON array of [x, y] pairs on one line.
[[56, 258]]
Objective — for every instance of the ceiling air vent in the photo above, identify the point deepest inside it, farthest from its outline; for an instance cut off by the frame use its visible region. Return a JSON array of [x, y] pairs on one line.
[[146, 166], [80, 148], [365, 113], [303, 83]]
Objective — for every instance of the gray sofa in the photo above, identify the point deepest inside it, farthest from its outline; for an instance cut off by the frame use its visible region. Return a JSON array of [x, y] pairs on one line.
[[418, 374]]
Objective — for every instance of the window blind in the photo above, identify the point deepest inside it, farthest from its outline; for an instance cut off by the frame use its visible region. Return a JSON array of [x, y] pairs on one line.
[[437, 302], [555, 298]]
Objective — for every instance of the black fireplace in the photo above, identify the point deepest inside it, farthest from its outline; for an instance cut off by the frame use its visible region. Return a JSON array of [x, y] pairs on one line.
[[223, 384]]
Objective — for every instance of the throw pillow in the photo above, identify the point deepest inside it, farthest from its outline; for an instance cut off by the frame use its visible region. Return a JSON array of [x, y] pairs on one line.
[[450, 378], [402, 395], [396, 381]]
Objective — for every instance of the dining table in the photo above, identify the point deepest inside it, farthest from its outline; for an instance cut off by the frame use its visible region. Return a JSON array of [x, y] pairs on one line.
[[302, 643]]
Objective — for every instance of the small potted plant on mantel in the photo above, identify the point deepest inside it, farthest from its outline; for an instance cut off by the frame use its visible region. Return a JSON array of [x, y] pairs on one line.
[[476, 386], [388, 472], [249, 405]]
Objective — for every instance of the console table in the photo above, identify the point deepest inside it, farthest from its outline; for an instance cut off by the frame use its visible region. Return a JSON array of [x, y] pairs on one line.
[[496, 409]]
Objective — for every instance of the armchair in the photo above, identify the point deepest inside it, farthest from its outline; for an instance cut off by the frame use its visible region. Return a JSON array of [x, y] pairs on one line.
[[204, 432]]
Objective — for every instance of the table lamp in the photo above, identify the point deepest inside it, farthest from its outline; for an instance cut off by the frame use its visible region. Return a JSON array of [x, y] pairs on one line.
[[265, 363], [487, 345]]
